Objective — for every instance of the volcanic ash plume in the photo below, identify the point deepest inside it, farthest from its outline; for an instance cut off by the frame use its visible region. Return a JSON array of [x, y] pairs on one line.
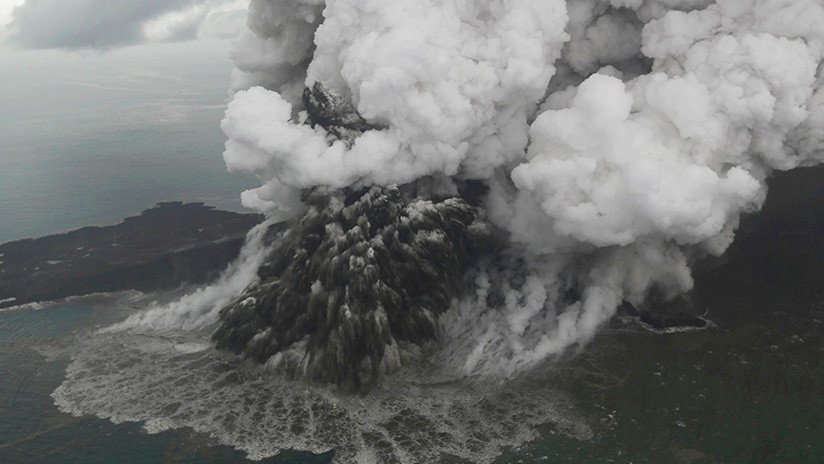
[[501, 175]]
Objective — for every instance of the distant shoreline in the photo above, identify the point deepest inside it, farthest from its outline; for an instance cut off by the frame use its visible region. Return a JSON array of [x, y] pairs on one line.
[[170, 245]]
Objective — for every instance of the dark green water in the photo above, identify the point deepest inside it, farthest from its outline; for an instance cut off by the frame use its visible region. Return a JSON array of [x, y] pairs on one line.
[[748, 394], [752, 394], [748, 391]]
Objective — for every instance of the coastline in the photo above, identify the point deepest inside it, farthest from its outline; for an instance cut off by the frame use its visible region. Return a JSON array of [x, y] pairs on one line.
[[168, 246]]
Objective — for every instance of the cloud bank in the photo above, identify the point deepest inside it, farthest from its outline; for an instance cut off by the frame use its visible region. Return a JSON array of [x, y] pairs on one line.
[[104, 24]]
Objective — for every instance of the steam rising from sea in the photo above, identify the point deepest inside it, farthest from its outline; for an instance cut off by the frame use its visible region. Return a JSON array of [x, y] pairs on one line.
[[620, 141]]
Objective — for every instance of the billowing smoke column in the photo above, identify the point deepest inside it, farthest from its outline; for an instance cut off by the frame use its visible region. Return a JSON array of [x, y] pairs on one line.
[[614, 143]]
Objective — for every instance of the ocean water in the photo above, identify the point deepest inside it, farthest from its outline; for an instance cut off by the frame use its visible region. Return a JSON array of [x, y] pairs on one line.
[[89, 138], [34, 431]]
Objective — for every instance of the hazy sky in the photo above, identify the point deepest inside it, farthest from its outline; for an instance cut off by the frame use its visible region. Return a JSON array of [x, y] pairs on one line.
[[107, 24]]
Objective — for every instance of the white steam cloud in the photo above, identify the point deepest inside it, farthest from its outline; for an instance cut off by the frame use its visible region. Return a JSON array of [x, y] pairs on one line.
[[199, 310], [621, 139]]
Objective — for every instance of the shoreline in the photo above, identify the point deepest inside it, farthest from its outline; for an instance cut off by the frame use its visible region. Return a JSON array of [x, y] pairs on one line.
[[171, 245]]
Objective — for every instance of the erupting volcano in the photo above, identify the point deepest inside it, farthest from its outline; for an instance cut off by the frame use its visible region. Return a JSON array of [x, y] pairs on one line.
[[607, 145], [456, 194]]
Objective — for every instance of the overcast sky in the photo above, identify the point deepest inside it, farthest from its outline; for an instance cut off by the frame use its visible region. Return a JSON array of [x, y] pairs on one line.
[[108, 24]]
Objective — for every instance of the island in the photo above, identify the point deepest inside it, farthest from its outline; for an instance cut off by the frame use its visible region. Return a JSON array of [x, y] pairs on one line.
[[171, 245]]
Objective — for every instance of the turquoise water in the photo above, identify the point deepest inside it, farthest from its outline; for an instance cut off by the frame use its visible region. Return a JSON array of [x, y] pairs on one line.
[[91, 138]]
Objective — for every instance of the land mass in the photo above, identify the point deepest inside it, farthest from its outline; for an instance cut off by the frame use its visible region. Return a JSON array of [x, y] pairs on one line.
[[168, 246]]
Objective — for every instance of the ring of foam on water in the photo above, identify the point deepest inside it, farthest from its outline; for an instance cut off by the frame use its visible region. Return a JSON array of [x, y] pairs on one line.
[[166, 383]]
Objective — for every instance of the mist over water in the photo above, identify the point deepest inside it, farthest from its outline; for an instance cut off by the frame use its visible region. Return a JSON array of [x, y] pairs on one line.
[[91, 138]]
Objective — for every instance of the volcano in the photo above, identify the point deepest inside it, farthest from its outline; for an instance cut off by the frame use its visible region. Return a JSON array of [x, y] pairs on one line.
[[360, 275]]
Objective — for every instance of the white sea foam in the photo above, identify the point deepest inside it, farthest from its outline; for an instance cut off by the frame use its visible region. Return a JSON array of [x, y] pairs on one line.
[[35, 306], [131, 296], [164, 382]]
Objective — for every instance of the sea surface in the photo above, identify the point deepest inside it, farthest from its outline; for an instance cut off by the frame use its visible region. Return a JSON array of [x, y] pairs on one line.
[[90, 138], [33, 430], [746, 391]]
